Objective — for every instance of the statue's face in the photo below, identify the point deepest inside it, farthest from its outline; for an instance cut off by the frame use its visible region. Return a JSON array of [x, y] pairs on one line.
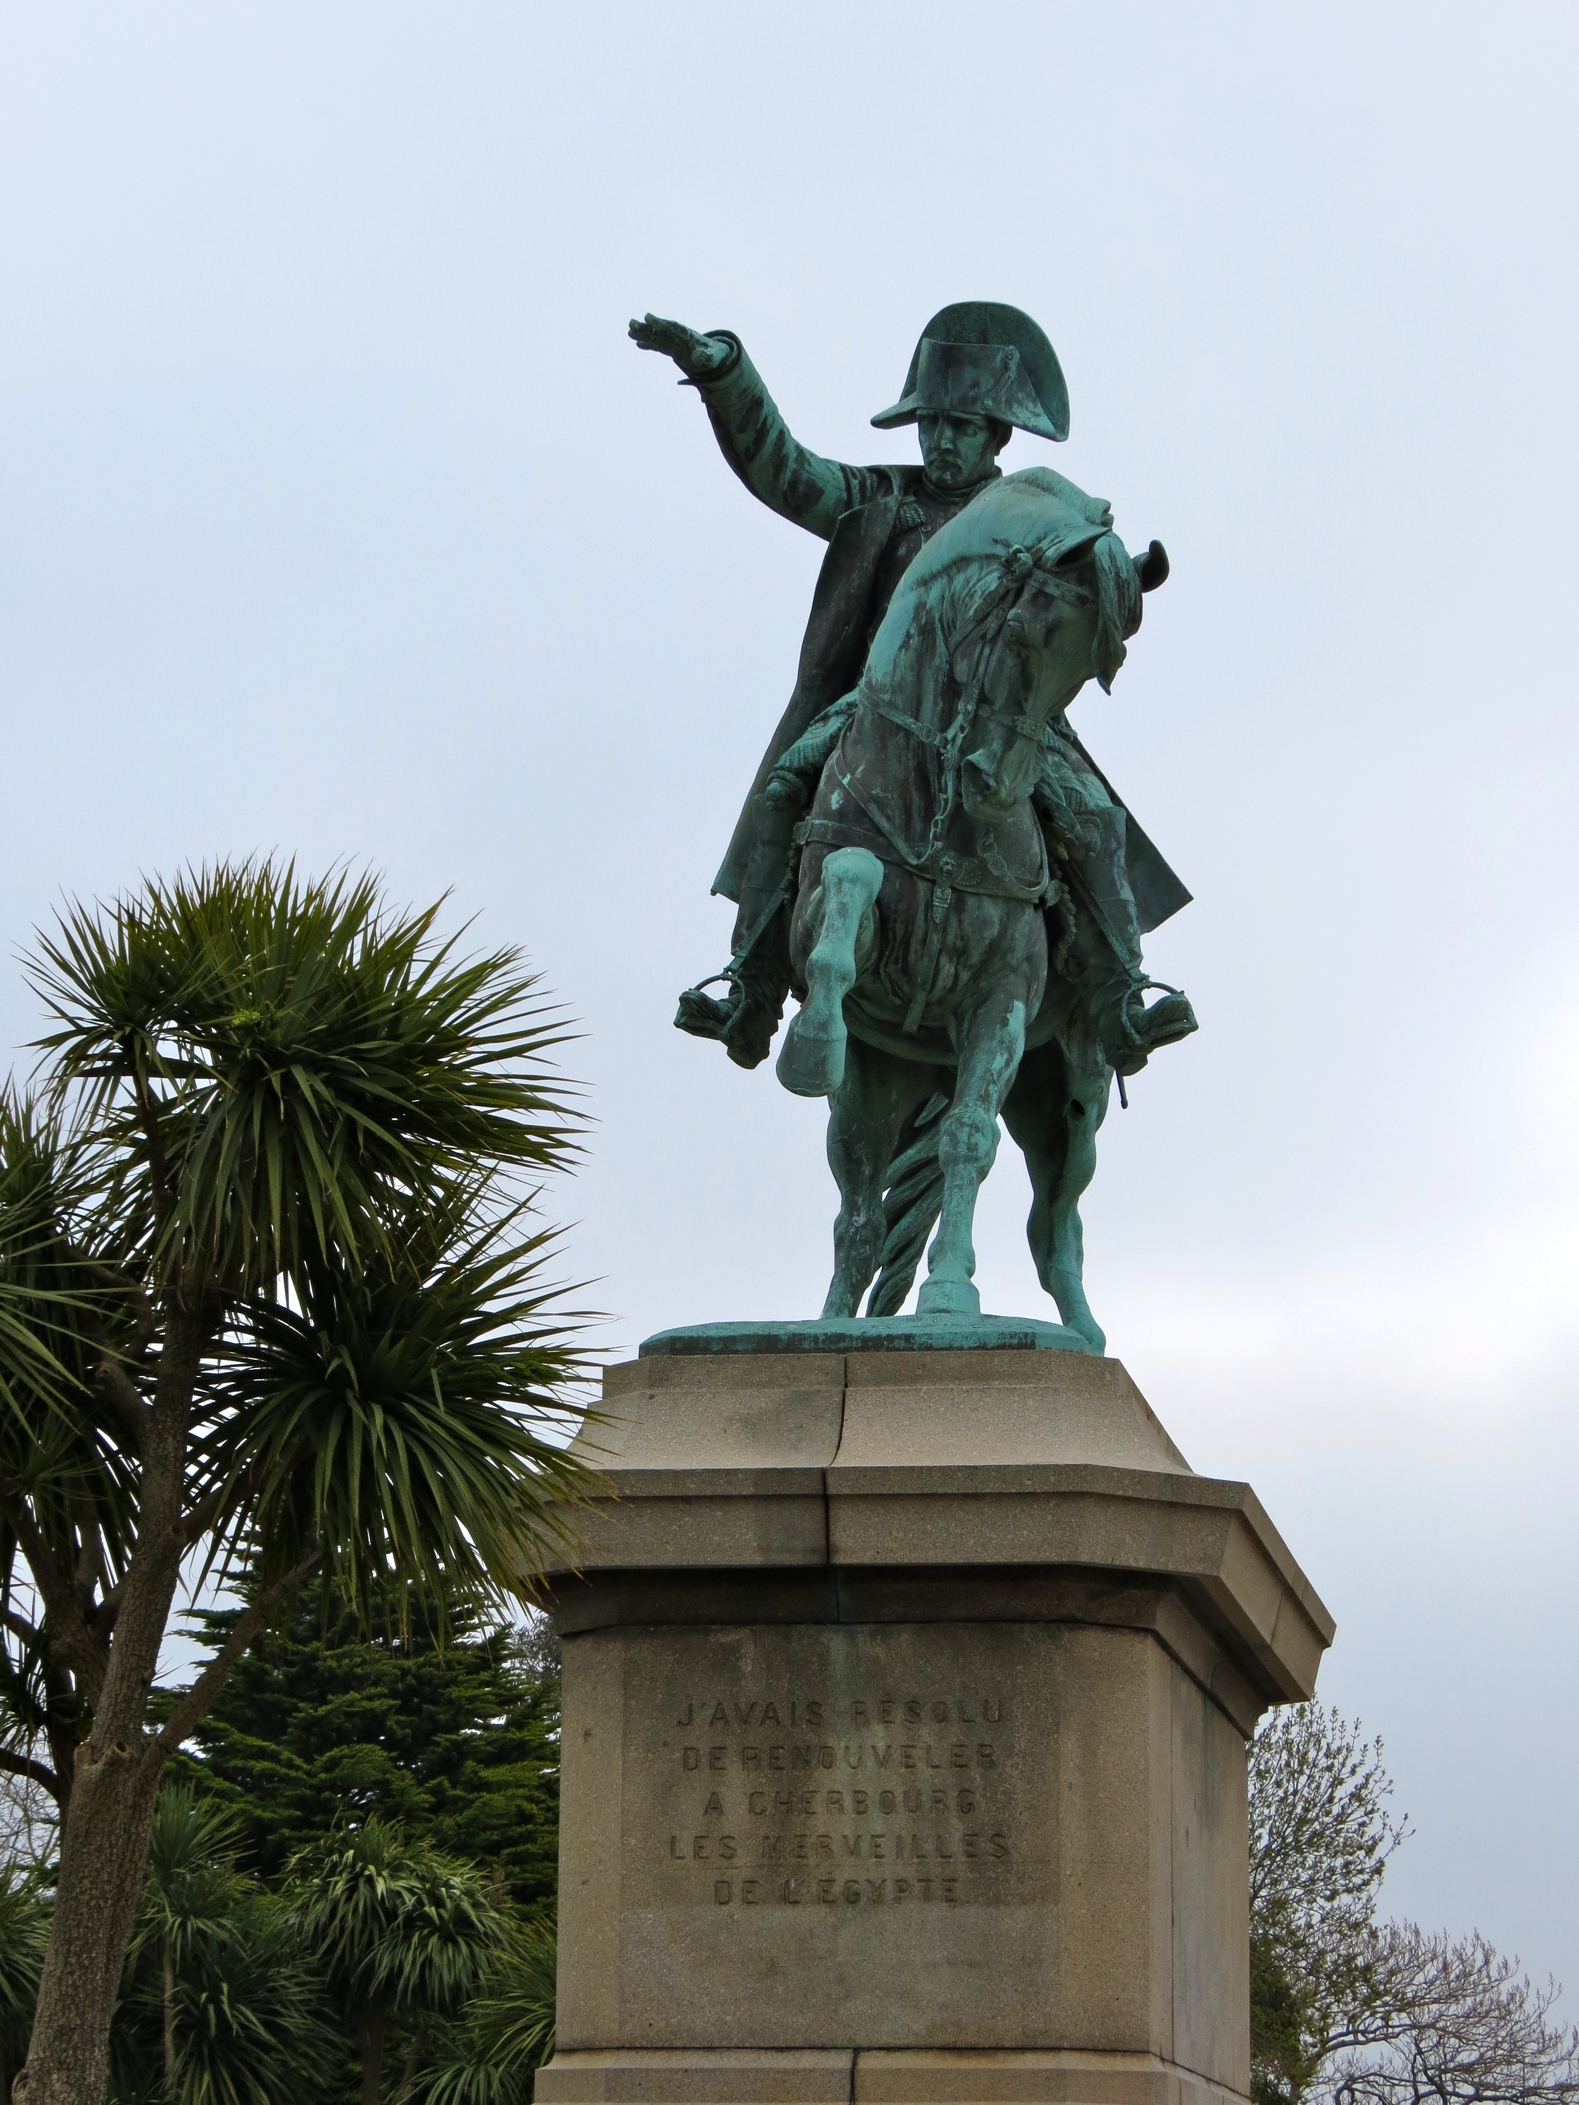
[[957, 450]]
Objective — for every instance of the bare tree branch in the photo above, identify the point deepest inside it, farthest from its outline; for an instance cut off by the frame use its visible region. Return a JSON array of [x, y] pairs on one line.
[[1457, 2024], [20, 1628], [32, 1771]]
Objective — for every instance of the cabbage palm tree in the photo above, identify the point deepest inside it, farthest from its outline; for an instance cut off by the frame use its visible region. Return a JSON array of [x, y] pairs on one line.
[[402, 1931], [266, 1241], [506, 2032], [218, 1996], [192, 1895]]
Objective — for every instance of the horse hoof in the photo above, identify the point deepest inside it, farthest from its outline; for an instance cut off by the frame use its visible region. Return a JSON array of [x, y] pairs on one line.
[[948, 1297], [1067, 1289], [810, 1066], [1093, 1333]]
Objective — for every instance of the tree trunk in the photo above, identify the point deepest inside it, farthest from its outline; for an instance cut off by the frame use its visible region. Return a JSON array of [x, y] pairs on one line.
[[370, 2043], [414, 2054], [102, 1864], [115, 1784]]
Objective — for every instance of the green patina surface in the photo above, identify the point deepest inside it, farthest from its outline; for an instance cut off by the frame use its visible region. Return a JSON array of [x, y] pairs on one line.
[[868, 1334], [928, 858]]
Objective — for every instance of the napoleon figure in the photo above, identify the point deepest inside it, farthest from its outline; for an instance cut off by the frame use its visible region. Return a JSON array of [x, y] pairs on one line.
[[980, 370]]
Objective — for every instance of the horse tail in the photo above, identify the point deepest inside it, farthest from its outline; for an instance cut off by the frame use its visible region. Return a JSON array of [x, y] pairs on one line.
[[912, 1201]]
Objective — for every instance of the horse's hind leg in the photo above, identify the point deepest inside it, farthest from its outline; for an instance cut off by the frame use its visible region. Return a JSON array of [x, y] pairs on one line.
[[1053, 1111], [812, 1062], [990, 1049], [864, 1119]]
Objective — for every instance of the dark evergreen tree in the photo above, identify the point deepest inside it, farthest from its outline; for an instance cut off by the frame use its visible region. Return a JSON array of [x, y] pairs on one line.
[[456, 1737]]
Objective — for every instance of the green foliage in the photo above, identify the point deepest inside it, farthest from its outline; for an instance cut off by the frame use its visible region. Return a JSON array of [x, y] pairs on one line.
[[271, 1278], [219, 2005], [505, 2033], [292, 1100], [42, 1286], [249, 2022], [313, 1061], [24, 1932], [459, 1742], [401, 1930], [393, 1921], [395, 1378], [193, 1888], [1283, 2057], [1320, 1838]]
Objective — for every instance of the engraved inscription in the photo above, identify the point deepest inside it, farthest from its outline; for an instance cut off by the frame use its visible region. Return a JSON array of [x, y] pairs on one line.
[[881, 1801]]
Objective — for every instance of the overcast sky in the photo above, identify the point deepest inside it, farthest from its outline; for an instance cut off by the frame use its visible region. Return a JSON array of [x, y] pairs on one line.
[[339, 518]]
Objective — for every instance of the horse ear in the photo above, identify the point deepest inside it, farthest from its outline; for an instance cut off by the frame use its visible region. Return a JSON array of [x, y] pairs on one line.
[[1152, 567]]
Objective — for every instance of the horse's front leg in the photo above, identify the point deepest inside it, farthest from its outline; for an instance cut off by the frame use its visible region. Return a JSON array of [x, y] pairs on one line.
[[989, 1057], [812, 1062]]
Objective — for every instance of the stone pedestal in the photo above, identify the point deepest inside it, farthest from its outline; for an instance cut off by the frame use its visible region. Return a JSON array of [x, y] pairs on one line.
[[906, 1703]]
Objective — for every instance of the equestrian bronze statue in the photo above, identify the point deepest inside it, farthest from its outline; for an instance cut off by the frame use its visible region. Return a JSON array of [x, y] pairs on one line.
[[928, 858]]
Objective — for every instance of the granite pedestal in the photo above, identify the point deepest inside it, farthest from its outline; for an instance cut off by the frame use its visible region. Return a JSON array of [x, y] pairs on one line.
[[906, 1698]]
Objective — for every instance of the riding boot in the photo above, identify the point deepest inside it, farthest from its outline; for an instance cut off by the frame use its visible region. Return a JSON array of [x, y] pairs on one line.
[[1142, 1031], [762, 981]]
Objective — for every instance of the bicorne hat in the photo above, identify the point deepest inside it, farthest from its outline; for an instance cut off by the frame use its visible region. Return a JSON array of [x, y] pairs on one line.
[[979, 358]]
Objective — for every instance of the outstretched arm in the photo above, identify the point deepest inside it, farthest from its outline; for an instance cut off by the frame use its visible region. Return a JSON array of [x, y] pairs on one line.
[[757, 443]]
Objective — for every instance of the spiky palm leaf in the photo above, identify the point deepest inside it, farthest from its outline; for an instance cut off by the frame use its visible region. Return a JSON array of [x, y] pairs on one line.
[[60, 1459], [402, 1930], [396, 1922], [277, 1068], [251, 2027], [506, 2032], [310, 1108], [221, 1965], [34, 1312], [24, 1932], [56, 1312], [193, 1886], [380, 1417]]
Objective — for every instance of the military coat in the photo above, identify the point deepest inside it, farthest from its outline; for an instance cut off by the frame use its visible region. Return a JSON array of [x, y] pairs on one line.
[[874, 520]]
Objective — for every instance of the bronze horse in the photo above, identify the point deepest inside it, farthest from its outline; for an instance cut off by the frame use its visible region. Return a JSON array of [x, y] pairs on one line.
[[919, 937]]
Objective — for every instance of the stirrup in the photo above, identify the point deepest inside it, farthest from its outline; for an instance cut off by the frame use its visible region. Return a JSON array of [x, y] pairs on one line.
[[1164, 1023], [701, 1015]]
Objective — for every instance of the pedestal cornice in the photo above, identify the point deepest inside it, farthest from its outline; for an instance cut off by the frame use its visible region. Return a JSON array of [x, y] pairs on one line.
[[991, 1485]]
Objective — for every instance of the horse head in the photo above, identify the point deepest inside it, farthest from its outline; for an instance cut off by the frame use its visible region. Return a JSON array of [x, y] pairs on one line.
[[1066, 605]]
